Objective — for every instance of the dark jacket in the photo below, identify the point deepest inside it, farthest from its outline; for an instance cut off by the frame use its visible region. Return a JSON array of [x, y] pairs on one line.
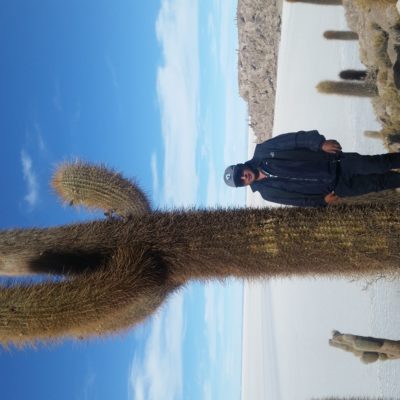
[[298, 172]]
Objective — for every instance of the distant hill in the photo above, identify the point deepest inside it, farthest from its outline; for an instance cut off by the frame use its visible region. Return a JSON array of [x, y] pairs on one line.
[[259, 30]]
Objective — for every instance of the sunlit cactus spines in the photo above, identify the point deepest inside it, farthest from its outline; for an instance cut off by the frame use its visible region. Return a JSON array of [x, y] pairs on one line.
[[340, 35], [97, 187], [118, 271], [367, 349], [359, 89], [319, 2], [103, 302], [353, 74]]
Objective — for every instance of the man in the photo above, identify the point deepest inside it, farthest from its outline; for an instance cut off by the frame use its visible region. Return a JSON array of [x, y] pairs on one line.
[[304, 169]]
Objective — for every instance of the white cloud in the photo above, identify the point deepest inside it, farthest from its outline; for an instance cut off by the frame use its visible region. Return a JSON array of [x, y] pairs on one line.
[[89, 386], [159, 375], [113, 72], [225, 36], [220, 21], [29, 174], [39, 135], [207, 391], [211, 34], [154, 174], [57, 101], [213, 318], [178, 96], [212, 185], [222, 36]]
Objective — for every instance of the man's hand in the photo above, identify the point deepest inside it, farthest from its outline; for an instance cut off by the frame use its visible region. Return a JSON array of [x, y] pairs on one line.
[[331, 198], [331, 146]]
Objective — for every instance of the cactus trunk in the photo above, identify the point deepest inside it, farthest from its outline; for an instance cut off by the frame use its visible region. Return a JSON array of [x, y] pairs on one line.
[[212, 244], [132, 265]]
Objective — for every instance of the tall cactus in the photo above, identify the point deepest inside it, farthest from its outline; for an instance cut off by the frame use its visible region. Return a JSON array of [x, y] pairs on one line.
[[118, 271]]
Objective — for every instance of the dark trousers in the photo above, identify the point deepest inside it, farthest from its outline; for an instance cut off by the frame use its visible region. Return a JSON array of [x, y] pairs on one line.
[[358, 174]]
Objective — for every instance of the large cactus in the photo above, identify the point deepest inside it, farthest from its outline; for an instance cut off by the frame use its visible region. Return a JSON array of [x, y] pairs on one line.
[[119, 270]]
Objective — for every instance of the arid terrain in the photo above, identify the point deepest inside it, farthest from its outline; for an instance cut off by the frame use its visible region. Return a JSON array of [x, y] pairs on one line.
[[259, 29]]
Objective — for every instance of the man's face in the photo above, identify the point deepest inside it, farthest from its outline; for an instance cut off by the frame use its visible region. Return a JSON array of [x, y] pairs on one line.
[[248, 176]]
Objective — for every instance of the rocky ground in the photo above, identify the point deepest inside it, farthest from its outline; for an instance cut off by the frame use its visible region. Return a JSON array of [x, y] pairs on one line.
[[259, 29], [377, 23]]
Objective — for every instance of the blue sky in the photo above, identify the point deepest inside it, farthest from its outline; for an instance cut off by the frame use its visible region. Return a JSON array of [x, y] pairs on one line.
[[149, 88]]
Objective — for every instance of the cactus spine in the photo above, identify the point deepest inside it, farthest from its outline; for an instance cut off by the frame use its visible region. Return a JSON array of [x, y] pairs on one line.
[[118, 271]]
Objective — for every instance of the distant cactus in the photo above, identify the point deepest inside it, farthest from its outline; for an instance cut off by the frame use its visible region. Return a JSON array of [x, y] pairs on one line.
[[119, 271], [352, 74], [368, 349], [364, 89], [390, 137], [340, 35], [319, 2]]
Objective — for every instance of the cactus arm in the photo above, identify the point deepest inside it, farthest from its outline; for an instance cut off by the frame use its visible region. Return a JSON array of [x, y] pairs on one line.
[[97, 187], [122, 293]]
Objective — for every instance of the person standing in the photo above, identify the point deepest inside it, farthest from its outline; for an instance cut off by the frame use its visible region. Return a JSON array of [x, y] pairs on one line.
[[304, 169]]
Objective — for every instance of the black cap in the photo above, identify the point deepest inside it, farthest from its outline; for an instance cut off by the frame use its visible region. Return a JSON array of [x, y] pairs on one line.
[[233, 174]]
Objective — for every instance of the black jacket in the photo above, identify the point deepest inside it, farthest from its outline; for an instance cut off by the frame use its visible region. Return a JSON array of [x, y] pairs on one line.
[[298, 172]]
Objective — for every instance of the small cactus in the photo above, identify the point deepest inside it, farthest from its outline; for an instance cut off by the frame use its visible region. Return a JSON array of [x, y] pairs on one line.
[[340, 35], [367, 349], [364, 89], [352, 74]]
